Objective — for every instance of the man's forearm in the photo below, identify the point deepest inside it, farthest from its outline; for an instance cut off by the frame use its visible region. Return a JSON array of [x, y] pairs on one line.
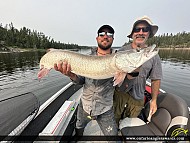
[[155, 86]]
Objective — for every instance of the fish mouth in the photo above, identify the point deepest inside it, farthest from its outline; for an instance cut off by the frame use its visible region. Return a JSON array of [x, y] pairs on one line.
[[149, 49], [152, 50]]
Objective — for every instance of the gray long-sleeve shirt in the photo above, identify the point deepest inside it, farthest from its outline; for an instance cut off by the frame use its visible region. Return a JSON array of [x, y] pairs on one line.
[[97, 96]]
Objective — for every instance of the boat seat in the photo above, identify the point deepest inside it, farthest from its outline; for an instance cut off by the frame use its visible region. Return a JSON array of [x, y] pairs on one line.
[[170, 119]]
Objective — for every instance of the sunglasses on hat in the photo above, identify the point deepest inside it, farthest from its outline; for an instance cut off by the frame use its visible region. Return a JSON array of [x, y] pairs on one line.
[[144, 29], [101, 34]]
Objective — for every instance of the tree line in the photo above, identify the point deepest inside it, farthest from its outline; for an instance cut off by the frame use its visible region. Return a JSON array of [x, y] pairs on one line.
[[26, 38], [179, 40]]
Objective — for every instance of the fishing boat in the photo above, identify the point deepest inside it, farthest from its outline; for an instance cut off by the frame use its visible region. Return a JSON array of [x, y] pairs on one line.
[[23, 119]]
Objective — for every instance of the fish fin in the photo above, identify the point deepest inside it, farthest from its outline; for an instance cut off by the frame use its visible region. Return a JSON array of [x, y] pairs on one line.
[[119, 78], [43, 72]]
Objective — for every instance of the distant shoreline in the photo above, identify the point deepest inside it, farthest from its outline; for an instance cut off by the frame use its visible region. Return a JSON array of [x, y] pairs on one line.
[[19, 50], [175, 48]]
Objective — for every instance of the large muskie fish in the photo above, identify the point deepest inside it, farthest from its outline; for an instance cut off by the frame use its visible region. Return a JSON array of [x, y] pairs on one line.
[[98, 67]]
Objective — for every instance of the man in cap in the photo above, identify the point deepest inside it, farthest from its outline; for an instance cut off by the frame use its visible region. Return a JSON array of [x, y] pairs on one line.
[[97, 98], [129, 97]]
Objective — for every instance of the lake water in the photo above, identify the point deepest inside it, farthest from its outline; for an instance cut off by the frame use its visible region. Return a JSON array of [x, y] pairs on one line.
[[18, 74]]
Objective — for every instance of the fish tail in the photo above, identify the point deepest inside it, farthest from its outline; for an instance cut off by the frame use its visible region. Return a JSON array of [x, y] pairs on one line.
[[43, 72]]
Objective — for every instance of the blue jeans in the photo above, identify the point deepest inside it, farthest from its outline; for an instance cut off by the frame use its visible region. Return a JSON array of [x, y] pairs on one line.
[[106, 121]]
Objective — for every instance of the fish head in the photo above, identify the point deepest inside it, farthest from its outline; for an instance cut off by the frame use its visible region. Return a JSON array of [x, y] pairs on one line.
[[129, 60]]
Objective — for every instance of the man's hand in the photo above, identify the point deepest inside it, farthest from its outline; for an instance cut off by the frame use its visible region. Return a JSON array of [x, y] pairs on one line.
[[155, 86], [130, 76], [153, 107], [65, 69], [136, 72]]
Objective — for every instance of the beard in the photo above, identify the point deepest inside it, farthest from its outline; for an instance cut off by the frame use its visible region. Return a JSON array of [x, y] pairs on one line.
[[141, 43], [104, 47]]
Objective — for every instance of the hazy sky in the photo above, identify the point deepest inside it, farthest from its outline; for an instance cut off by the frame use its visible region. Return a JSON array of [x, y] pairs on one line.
[[77, 21]]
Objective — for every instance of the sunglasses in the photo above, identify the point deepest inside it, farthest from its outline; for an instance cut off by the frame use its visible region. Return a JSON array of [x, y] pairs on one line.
[[138, 29], [110, 35], [134, 74]]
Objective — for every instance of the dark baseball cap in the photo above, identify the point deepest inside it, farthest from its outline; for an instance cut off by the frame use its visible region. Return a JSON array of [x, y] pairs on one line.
[[111, 30]]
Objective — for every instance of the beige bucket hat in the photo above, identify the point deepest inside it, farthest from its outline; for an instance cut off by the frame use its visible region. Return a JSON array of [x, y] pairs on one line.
[[154, 28]]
